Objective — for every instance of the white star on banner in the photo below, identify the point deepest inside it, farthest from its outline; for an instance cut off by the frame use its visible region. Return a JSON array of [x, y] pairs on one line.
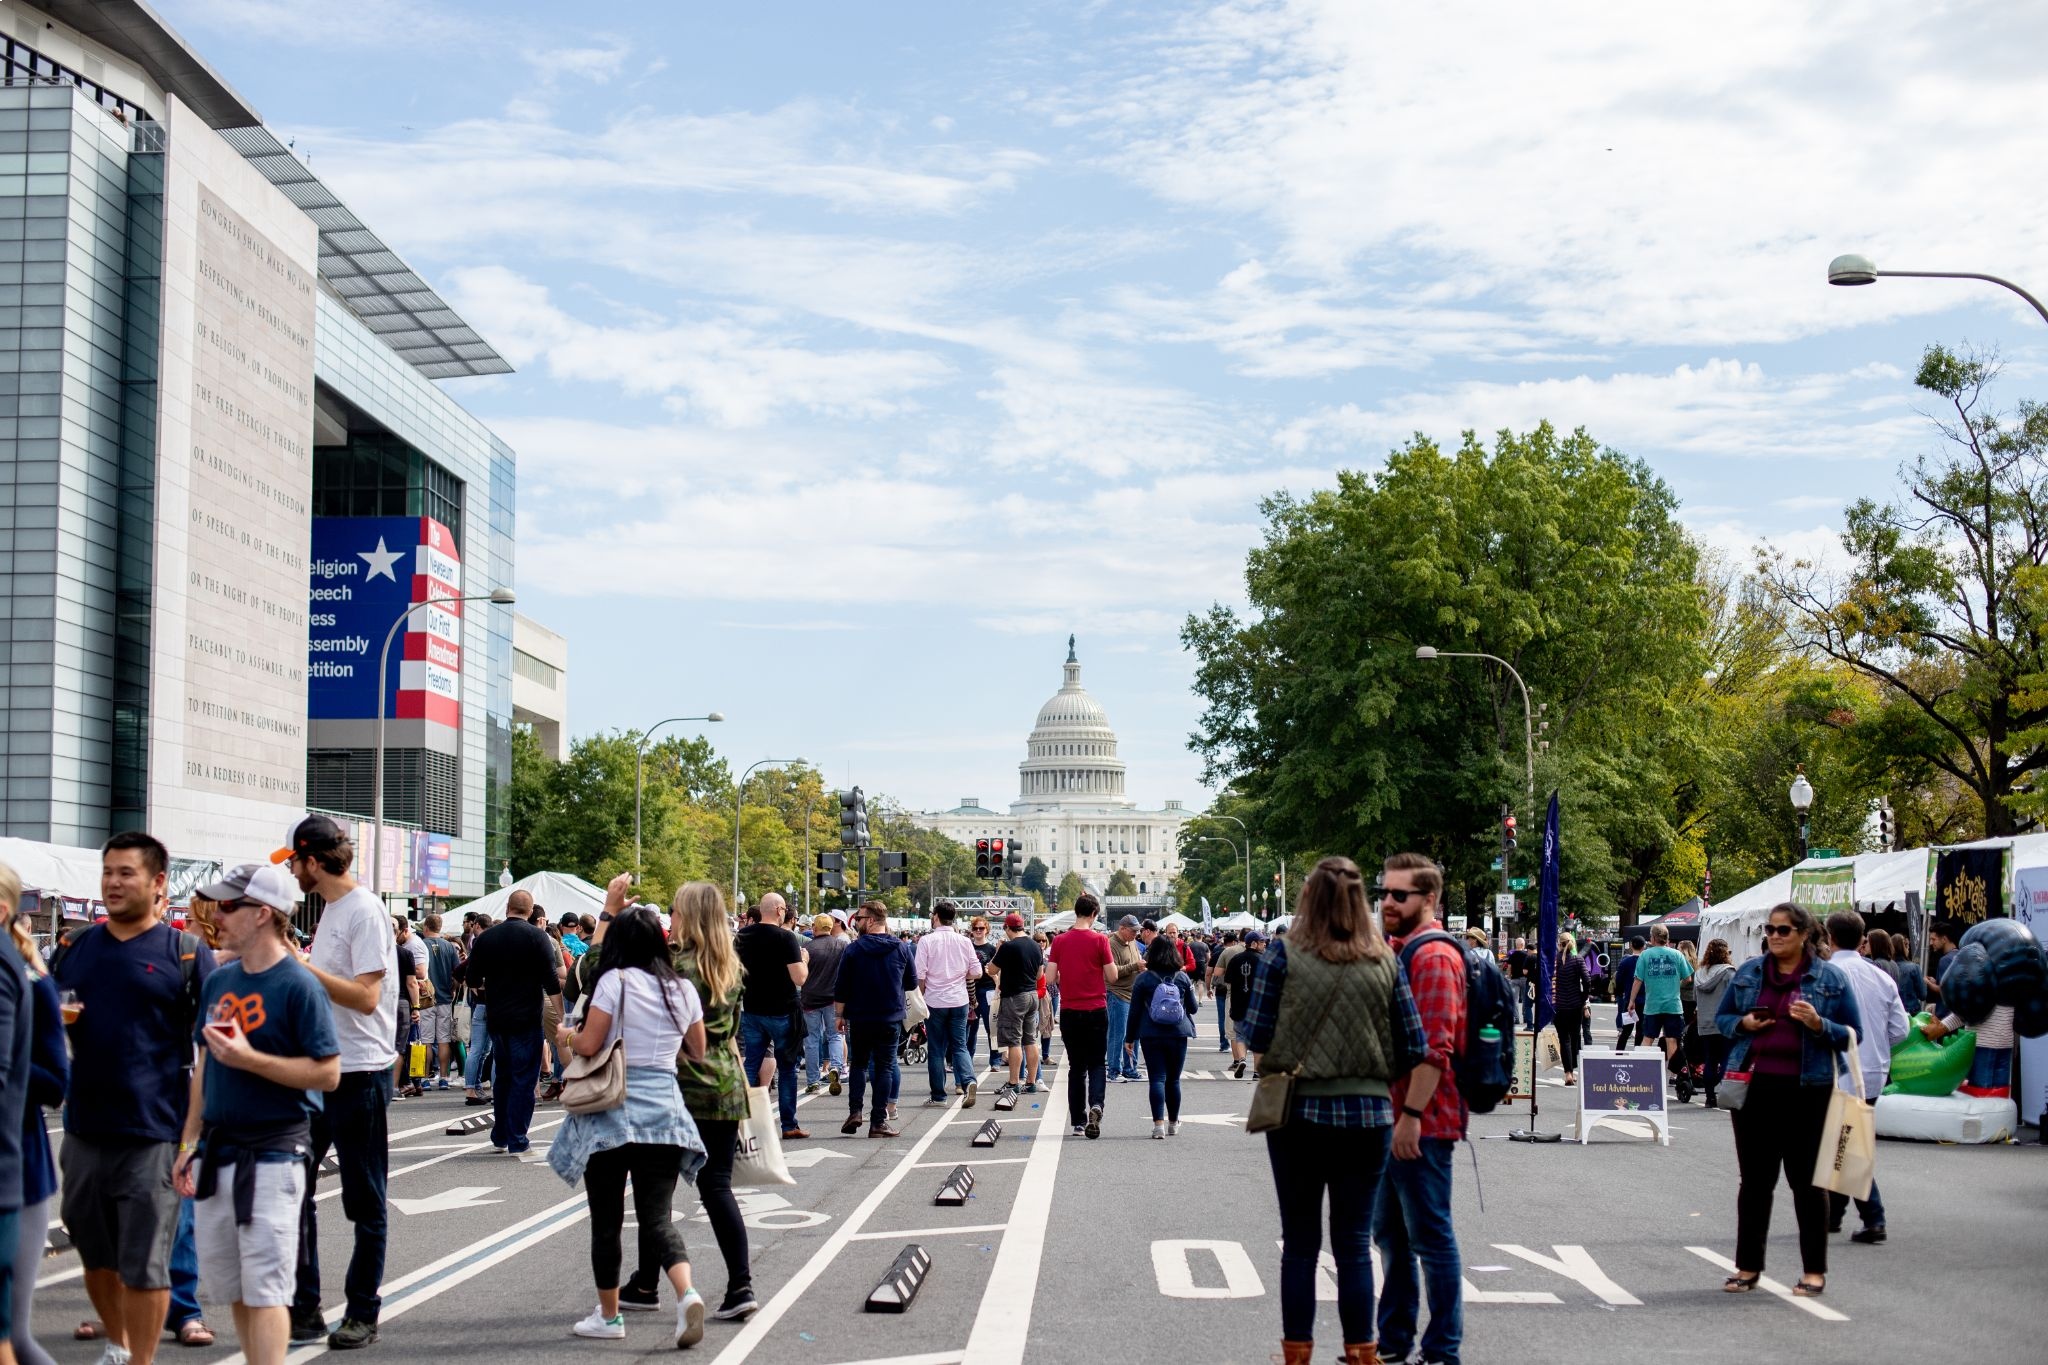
[[380, 561]]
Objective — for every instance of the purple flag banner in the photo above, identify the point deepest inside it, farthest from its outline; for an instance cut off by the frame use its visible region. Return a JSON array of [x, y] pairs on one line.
[[1546, 922]]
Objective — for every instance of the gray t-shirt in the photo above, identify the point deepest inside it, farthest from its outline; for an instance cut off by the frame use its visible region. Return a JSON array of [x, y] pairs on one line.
[[823, 955]]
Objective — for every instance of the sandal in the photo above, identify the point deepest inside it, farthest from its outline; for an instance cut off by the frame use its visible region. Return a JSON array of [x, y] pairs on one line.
[[1740, 1284], [194, 1332], [1809, 1289], [89, 1331]]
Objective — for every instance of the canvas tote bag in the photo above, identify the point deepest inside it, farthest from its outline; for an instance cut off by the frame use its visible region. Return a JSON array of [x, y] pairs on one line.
[[1848, 1147]]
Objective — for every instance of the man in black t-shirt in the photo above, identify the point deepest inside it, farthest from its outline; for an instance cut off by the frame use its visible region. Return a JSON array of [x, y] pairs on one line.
[[774, 959], [516, 967], [1242, 969], [1016, 966], [1522, 974]]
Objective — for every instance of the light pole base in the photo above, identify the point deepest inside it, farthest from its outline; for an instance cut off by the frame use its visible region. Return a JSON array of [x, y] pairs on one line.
[[1532, 1135]]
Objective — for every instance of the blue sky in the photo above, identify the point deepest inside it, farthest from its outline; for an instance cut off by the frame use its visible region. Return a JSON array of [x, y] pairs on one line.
[[865, 351]]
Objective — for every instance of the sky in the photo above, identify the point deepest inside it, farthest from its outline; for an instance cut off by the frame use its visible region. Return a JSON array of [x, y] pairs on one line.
[[864, 352]]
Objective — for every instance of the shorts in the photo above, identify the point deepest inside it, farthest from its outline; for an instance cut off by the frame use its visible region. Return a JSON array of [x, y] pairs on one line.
[[120, 1208], [405, 1020], [1017, 1020], [1655, 1026], [1241, 1031], [437, 1025], [255, 1264]]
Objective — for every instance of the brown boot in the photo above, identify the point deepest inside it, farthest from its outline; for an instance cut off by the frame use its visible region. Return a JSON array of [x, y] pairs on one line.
[[1361, 1353], [1296, 1353]]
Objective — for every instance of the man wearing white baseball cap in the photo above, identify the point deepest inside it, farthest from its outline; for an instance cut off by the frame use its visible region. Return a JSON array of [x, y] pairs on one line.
[[269, 1038], [355, 958]]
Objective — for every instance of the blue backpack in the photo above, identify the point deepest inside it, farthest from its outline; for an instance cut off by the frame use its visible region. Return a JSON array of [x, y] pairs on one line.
[[1485, 1071], [1167, 1008]]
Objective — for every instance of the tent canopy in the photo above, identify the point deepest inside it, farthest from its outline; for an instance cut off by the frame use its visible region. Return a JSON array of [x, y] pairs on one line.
[[1180, 922], [555, 892], [54, 869], [1243, 919]]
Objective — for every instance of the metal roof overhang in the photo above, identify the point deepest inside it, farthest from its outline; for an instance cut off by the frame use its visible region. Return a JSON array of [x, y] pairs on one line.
[[140, 34]]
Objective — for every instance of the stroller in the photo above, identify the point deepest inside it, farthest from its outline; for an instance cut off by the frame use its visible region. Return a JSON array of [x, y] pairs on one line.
[[912, 1047]]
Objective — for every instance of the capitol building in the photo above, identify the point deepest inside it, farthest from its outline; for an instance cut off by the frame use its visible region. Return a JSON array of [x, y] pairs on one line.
[[1071, 812]]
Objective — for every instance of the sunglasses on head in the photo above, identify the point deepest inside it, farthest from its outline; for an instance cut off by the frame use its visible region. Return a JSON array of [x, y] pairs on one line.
[[1781, 930], [1400, 896]]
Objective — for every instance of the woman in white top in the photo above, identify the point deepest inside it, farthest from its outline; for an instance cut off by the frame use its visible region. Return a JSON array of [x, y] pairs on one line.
[[649, 1137]]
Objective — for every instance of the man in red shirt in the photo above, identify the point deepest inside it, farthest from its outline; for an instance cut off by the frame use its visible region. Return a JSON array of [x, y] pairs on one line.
[[1080, 964], [1413, 1220]]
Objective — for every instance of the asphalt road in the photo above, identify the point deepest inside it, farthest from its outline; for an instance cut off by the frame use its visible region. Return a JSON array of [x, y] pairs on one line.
[[1073, 1251]]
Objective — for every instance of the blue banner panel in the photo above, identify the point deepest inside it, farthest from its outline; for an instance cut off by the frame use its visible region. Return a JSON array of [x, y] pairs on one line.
[[361, 579]]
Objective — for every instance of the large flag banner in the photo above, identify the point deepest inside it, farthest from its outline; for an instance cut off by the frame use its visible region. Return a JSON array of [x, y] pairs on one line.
[[1969, 884], [1825, 890], [1546, 921]]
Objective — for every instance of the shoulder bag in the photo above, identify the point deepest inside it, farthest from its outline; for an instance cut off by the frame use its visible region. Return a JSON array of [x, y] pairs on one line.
[[594, 1084], [1273, 1095]]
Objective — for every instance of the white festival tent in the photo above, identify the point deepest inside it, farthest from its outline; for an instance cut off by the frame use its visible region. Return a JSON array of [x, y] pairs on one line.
[[1180, 922], [1052, 924], [1882, 881], [1243, 919], [54, 868], [556, 892]]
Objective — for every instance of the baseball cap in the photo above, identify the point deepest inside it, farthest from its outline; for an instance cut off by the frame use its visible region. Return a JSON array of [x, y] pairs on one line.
[[842, 916], [264, 882], [1127, 922], [314, 834], [822, 924], [1254, 936], [1013, 920]]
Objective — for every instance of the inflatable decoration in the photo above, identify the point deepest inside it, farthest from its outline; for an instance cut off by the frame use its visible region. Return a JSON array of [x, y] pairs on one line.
[[2019, 969], [1969, 987], [2030, 1017], [1920, 1067]]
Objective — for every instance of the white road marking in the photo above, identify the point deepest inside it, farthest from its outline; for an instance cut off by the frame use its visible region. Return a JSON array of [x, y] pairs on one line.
[[972, 1161], [936, 1358], [461, 1197], [803, 1158], [484, 1146], [912, 1233], [1219, 1120], [796, 1286], [1176, 1276], [1813, 1306], [1003, 1321], [1474, 1294], [1574, 1264]]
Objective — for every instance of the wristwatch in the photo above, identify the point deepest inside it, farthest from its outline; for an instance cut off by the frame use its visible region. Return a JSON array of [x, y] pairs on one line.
[[1411, 1111]]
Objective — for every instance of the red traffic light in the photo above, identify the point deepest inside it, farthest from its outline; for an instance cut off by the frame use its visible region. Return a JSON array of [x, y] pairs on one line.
[[981, 846], [995, 845]]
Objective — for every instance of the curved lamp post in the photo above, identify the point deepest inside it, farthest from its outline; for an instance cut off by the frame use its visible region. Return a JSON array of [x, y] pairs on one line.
[[639, 756], [738, 796], [500, 597], [1218, 815], [1428, 653], [1855, 270], [1802, 802]]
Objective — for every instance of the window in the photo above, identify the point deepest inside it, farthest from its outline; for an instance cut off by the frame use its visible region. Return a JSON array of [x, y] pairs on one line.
[[526, 666]]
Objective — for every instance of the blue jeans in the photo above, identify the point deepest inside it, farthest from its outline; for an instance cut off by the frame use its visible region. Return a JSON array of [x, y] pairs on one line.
[[1121, 1062], [479, 1050], [1990, 1069], [978, 1022], [824, 1044], [353, 1121], [184, 1271], [945, 1034], [1222, 1020], [759, 1035], [517, 1071], [1307, 1159], [1164, 1058], [1413, 1221], [1525, 992]]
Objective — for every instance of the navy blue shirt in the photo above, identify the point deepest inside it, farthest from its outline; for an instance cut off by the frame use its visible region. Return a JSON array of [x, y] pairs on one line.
[[49, 1074], [874, 971], [283, 1012], [17, 1027], [131, 1049]]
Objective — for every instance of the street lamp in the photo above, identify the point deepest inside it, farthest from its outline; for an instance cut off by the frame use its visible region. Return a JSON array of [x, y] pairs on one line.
[[1802, 801], [738, 796], [502, 597], [1428, 654], [1247, 853], [639, 755], [1854, 270]]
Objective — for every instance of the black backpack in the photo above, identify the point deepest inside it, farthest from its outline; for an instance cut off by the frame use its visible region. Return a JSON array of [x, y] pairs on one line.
[[1485, 1072]]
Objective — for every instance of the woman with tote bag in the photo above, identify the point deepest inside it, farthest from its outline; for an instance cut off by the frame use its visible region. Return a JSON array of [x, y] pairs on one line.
[[1330, 1025], [639, 1007]]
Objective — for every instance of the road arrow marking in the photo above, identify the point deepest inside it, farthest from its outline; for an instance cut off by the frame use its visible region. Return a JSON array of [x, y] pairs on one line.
[[461, 1197], [1220, 1120], [811, 1156]]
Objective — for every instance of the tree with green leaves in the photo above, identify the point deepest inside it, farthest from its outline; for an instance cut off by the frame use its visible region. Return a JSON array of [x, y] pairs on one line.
[[1036, 876], [1071, 887], [1941, 604], [1121, 883]]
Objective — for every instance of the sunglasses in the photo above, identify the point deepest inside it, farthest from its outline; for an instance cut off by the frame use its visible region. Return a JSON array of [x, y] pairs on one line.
[[228, 907], [1395, 893], [1780, 930]]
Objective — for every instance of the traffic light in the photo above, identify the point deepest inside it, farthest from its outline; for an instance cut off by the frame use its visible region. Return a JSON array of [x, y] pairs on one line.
[[1887, 826], [853, 819], [895, 870], [1507, 833], [983, 866], [831, 871], [1013, 865]]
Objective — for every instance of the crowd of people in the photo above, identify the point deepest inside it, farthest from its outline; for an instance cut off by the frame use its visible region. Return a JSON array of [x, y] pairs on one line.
[[228, 1059]]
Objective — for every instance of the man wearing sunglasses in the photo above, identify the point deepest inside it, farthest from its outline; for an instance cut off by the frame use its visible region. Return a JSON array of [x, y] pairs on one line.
[[269, 1039], [1413, 1220]]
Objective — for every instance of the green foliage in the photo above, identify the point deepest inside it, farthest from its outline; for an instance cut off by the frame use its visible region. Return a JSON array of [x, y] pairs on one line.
[[1070, 891], [1035, 875], [1121, 883]]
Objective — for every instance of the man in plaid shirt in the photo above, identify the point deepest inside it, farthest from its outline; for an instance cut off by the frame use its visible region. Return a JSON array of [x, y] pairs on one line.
[[1413, 1220]]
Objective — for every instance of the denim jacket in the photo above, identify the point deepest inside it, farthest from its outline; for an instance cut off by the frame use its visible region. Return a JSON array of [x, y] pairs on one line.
[[1825, 988]]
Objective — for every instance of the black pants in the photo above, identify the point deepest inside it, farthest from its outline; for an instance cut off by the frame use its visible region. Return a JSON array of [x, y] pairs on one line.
[[1717, 1060], [1087, 1034], [654, 1170], [353, 1122], [1568, 1043], [1778, 1129], [1309, 1159], [871, 1052], [714, 1187]]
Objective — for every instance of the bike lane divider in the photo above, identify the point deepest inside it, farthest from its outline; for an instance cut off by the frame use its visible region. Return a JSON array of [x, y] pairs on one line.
[[1002, 1324]]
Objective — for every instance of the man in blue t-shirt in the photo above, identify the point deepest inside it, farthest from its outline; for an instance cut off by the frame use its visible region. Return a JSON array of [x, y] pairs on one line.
[[1654, 994], [1625, 1017], [268, 1031], [137, 981]]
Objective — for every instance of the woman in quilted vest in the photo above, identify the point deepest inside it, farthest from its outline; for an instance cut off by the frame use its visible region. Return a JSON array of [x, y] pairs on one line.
[[1330, 1008]]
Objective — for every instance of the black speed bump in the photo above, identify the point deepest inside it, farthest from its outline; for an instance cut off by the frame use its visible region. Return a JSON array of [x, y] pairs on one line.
[[958, 1186], [900, 1285], [1006, 1100], [988, 1134], [469, 1123]]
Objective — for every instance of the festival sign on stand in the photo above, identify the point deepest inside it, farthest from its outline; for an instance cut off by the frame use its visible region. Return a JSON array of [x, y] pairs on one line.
[[1622, 1088]]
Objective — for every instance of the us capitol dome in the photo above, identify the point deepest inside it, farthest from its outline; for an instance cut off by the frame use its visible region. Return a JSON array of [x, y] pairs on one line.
[[1071, 812]]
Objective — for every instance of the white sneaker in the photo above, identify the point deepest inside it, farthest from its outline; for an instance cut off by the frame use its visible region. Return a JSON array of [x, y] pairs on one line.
[[604, 1328], [689, 1319], [1173, 1128], [1159, 1132], [114, 1355]]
